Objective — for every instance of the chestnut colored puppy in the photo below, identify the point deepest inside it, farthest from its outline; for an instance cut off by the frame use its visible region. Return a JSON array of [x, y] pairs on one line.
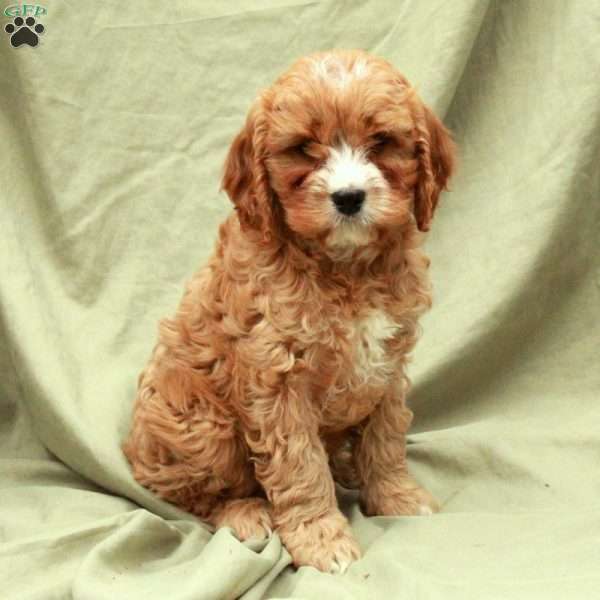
[[284, 367]]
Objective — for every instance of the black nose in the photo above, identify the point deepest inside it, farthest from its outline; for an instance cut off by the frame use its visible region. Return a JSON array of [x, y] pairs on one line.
[[348, 202]]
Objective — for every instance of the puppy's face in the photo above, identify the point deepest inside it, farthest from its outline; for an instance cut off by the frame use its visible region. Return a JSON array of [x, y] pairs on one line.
[[340, 148]]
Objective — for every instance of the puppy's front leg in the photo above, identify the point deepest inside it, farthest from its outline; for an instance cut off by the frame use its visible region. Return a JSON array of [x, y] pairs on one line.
[[292, 466], [387, 488]]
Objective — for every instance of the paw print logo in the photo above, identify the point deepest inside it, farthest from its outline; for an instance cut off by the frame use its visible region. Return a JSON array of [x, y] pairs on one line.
[[24, 32]]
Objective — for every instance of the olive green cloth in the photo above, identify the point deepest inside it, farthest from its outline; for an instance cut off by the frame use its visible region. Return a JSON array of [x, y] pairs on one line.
[[113, 131]]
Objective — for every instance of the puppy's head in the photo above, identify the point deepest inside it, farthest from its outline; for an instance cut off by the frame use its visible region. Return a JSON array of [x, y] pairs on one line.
[[338, 150]]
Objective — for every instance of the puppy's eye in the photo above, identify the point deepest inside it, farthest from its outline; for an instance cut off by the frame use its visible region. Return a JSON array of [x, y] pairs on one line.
[[302, 147], [297, 183], [380, 141]]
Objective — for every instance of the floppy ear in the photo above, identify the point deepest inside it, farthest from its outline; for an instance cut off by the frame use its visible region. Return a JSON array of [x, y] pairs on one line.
[[245, 178], [436, 155]]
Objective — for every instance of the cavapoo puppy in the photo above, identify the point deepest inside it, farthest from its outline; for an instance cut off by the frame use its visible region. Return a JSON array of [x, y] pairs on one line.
[[283, 369]]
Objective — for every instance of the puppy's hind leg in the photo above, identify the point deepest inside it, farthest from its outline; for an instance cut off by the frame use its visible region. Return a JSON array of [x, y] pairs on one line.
[[185, 448]]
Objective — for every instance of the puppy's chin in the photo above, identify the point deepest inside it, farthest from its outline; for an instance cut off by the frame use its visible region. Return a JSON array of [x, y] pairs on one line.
[[350, 234], [319, 227]]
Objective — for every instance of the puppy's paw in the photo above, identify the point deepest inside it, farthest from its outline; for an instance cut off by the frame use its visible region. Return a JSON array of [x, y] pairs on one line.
[[250, 518], [326, 543], [400, 497]]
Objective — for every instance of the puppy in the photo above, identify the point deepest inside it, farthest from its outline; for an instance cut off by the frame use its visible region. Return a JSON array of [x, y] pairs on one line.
[[284, 367]]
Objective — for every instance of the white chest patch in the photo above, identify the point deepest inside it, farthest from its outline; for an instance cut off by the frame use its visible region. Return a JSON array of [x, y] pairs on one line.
[[372, 362]]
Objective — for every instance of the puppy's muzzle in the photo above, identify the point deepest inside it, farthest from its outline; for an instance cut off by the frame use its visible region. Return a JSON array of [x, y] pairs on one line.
[[348, 201]]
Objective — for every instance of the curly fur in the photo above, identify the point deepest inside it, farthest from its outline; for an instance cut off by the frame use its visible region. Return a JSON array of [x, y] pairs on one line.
[[284, 367]]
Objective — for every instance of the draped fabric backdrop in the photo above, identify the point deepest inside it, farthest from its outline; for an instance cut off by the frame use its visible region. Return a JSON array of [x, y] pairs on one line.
[[113, 131]]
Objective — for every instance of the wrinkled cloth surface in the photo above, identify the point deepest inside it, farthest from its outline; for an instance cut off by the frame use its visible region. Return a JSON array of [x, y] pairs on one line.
[[113, 131]]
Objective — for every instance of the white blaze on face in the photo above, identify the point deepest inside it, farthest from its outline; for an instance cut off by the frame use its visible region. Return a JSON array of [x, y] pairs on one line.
[[348, 169]]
